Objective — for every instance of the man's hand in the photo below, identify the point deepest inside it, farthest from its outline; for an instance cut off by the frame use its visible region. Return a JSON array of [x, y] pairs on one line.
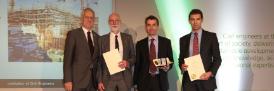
[[101, 86], [184, 67], [123, 64], [206, 76], [165, 68], [68, 86]]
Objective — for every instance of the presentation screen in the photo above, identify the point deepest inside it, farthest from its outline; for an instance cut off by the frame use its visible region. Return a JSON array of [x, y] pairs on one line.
[[32, 35]]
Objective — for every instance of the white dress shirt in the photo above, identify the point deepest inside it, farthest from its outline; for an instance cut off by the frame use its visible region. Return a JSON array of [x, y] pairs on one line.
[[192, 39], [86, 34], [112, 42]]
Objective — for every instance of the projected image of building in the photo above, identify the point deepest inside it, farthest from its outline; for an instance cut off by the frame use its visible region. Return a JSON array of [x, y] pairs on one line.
[[38, 35]]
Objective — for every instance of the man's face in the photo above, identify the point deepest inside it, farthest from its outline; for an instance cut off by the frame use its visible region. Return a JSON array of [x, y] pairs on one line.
[[195, 21], [88, 20], [152, 27], [114, 23]]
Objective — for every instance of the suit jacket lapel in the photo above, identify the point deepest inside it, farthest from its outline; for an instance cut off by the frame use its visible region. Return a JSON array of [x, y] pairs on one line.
[[146, 49], [124, 44], [159, 46], [202, 45], [83, 39], [107, 41], [188, 45], [95, 43]]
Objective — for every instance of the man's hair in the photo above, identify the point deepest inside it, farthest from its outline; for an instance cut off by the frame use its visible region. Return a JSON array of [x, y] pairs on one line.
[[195, 11], [151, 17], [85, 10], [113, 13]]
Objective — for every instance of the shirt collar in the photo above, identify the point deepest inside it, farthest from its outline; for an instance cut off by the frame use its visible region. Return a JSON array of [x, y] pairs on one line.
[[112, 34], [199, 32], [155, 37], [86, 30]]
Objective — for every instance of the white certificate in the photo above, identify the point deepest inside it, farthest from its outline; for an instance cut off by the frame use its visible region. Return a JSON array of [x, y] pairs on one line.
[[195, 67], [112, 59]]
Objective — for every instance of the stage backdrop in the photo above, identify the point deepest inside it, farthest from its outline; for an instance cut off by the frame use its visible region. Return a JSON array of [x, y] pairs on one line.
[[32, 34]]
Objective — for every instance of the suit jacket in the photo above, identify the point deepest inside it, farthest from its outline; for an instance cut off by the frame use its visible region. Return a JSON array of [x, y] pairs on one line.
[[210, 54], [141, 70], [128, 54], [78, 60]]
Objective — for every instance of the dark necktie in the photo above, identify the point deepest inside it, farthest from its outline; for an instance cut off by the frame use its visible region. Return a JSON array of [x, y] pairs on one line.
[[152, 55], [195, 44], [91, 48], [116, 42]]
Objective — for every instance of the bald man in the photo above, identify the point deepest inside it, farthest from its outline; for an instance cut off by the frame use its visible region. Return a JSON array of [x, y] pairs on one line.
[[121, 81]]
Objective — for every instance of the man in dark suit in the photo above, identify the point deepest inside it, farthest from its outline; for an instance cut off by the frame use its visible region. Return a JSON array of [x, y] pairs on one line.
[[204, 43], [147, 76], [81, 54], [121, 81]]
